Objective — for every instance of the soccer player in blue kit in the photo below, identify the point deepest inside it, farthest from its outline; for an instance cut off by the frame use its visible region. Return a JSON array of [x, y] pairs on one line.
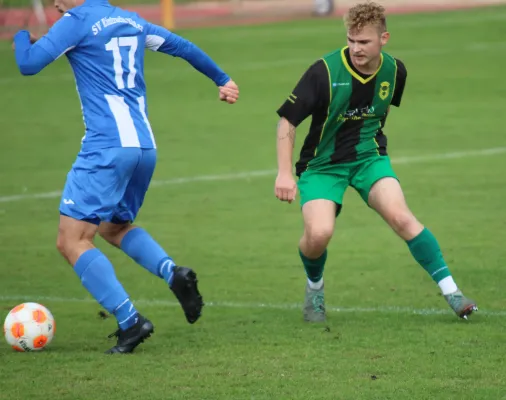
[[106, 185]]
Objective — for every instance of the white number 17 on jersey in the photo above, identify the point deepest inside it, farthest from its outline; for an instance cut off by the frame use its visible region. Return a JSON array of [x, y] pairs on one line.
[[114, 46]]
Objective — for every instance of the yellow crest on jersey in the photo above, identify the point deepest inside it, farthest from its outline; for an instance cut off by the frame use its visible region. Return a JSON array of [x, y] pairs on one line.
[[384, 90]]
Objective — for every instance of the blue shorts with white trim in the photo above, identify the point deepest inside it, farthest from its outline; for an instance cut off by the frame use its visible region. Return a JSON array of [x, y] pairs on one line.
[[108, 185]]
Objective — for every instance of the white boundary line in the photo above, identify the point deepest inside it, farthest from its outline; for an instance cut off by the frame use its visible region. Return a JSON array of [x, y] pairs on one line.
[[261, 173], [266, 306]]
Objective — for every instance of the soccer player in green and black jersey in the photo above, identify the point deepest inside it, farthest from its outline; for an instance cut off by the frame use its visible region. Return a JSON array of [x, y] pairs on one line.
[[348, 94]]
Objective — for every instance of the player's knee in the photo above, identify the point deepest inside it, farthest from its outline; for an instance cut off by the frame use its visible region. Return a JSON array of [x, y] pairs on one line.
[[318, 237], [404, 223], [69, 240], [64, 244], [60, 244]]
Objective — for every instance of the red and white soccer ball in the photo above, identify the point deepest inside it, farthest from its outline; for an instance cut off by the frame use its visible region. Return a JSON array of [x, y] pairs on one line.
[[29, 327]]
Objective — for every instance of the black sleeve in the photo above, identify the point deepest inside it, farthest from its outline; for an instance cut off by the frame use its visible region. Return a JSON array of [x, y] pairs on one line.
[[400, 83], [311, 92]]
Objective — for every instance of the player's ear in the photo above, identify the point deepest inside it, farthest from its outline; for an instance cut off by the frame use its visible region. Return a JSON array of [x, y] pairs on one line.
[[384, 38]]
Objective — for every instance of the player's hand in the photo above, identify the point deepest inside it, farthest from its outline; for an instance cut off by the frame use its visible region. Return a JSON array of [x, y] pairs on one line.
[[33, 39], [229, 92], [285, 187]]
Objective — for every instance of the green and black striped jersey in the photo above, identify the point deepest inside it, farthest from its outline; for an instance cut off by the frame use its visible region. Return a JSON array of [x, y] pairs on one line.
[[348, 109]]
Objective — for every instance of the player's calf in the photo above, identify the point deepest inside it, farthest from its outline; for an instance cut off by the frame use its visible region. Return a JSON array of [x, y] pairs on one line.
[[114, 233]]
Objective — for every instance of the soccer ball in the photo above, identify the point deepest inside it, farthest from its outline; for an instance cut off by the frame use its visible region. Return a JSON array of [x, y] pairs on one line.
[[29, 327]]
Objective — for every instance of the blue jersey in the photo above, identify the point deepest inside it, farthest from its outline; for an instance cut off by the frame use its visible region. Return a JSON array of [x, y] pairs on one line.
[[105, 47]]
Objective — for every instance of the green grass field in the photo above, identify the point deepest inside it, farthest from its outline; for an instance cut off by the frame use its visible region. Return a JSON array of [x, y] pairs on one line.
[[390, 334]]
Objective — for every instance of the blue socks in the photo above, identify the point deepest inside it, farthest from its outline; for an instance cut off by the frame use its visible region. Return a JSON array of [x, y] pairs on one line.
[[141, 247], [98, 277]]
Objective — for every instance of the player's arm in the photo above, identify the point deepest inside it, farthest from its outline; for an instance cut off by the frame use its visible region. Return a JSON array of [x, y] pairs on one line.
[[300, 104], [162, 40], [62, 37], [400, 83]]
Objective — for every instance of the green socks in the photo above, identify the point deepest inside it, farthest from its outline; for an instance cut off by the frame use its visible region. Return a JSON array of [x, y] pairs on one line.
[[314, 268], [426, 251]]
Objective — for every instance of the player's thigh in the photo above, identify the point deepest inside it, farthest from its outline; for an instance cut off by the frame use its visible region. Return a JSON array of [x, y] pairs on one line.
[[97, 182], [369, 172], [330, 184], [387, 198], [135, 192], [319, 219]]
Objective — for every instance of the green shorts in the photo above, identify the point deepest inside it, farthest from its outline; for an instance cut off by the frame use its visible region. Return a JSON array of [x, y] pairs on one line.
[[330, 182]]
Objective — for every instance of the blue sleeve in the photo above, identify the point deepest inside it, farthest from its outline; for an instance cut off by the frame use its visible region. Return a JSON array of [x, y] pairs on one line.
[[160, 39], [62, 37]]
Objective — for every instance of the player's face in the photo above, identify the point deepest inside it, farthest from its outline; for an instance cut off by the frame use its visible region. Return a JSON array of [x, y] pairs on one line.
[[365, 45], [63, 5]]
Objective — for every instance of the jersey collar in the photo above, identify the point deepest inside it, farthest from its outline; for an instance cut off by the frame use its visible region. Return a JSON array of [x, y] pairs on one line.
[[352, 71], [96, 2]]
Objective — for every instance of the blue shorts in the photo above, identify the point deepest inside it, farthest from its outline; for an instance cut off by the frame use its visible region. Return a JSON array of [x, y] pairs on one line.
[[108, 185]]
